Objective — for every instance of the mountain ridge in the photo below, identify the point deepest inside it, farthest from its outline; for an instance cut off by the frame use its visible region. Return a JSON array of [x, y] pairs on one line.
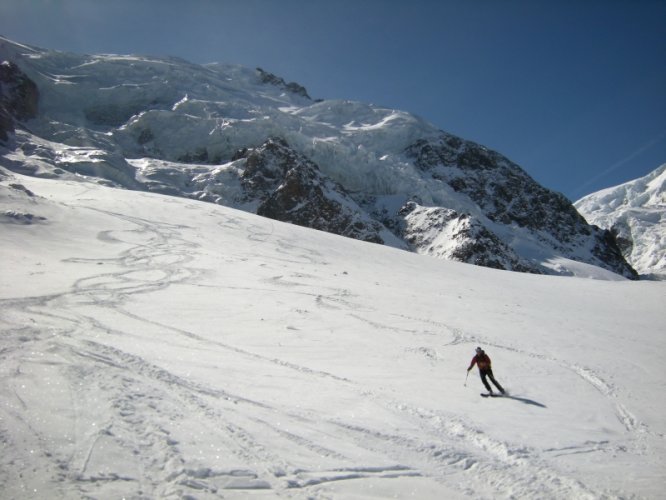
[[170, 126]]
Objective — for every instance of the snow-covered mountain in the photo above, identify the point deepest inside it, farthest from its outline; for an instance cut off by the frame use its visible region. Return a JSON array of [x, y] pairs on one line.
[[164, 348], [247, 139], [636, 212]]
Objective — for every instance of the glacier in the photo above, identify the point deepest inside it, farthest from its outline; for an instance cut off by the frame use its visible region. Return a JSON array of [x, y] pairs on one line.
[[636, 212], [165, 125]]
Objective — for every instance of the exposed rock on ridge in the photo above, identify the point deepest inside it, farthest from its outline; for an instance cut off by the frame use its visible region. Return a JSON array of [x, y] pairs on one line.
[[445, 233], [292, 87], [508, 196], [292, 189], [19, 98]]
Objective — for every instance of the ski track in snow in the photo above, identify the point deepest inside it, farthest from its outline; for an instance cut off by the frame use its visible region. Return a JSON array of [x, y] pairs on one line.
[[628, 420], [151, 406]]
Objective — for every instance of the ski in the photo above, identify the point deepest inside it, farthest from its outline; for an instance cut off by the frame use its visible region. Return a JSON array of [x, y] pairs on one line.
[[486, 395]]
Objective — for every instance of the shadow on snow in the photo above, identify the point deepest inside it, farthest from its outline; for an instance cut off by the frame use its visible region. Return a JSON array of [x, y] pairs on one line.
[[526, 401]]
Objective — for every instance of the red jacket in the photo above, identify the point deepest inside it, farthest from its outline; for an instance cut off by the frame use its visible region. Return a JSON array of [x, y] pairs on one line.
[[481, 360]]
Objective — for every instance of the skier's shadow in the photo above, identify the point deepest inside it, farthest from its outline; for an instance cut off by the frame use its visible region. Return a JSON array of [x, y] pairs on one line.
[[526, 401]]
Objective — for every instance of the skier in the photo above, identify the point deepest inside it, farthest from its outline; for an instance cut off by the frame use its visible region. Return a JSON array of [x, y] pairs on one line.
[[482, 360]]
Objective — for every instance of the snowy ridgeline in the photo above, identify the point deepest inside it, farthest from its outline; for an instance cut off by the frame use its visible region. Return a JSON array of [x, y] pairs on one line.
[[159, 347], [364, 171], [636, 211]]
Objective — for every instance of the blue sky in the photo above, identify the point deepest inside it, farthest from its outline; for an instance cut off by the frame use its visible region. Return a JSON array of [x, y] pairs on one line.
[[572, 91]]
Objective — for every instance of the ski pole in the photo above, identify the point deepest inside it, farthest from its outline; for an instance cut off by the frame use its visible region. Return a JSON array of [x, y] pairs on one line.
[[465, 384]]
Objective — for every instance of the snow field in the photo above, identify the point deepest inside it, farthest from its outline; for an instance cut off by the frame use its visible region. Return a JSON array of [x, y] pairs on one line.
[[156, 347]]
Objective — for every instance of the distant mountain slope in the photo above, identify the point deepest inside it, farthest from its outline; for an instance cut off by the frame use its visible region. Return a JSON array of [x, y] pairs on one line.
[[247, 139], [636, 212]]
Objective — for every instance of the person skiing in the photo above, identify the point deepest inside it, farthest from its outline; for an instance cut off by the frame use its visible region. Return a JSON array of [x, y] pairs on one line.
[[482, 360]]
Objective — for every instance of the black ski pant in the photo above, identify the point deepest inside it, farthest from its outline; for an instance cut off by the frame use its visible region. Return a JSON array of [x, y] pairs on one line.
[[488, 372]]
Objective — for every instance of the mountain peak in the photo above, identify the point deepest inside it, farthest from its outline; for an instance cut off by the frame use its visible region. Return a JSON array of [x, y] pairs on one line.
[[359, 170], [293, 87]]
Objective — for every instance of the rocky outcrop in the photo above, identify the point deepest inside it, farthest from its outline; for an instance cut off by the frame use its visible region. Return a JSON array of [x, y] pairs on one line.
[[503, 190], [292, 87], [19, 98], [445, 233], [507, 196], [291, 188]]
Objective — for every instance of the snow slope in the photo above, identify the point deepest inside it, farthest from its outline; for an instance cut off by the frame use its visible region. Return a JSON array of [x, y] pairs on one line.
[[159, 347], [636, 210]]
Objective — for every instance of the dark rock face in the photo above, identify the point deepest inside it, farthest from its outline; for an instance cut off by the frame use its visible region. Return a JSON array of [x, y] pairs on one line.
[[467, 239], [292, 87], [19, 98], [508, 196], [607, 249], [6, 124], [502, 189], [622, 234], [291, 188]]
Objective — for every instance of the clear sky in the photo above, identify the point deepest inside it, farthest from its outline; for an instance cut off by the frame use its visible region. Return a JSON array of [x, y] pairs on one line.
[[574, 91]]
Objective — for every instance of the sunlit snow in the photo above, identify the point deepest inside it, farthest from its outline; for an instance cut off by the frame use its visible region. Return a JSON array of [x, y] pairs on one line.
[[158, 347], [636, 210]]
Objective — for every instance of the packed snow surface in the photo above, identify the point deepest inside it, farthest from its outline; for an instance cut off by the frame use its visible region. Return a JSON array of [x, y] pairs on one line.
[[159, 347]]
